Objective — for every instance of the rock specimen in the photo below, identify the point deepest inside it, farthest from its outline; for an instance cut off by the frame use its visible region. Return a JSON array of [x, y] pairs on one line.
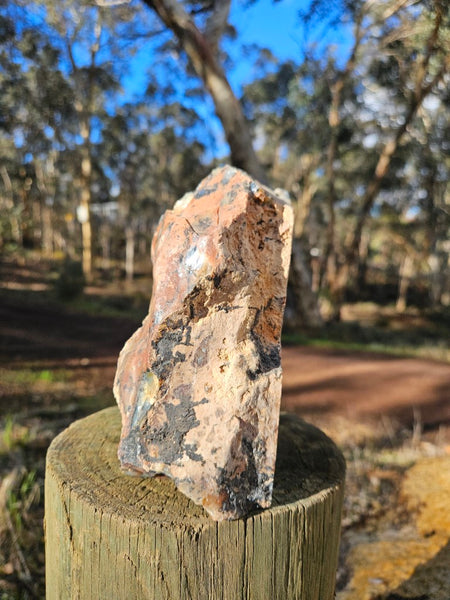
[[199, 384]]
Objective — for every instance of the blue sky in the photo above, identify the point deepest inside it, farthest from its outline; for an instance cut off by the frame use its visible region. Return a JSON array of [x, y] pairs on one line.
[[269, 24], [274, 25], [266, 23], [277, 26]]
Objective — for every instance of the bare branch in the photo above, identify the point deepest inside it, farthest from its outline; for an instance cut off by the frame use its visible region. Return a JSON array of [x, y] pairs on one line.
[[217, 22], [388, 151]]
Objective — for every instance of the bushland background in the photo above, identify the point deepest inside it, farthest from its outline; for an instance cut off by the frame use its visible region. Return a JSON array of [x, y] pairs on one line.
[[111, 110]]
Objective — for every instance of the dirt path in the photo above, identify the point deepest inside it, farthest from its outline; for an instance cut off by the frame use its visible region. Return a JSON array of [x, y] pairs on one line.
[[318, 384], [57, 365], [366, 387]]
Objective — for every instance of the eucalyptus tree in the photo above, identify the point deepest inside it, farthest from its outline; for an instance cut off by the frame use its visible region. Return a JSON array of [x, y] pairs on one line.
[[35, 101], [347, 128], [400, 57], [199, 27], [154, 162], [427, 209], [89, 36], [69, 59]]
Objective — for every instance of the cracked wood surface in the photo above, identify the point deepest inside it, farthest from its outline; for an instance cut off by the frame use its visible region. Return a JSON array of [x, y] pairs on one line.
[[113, 536]]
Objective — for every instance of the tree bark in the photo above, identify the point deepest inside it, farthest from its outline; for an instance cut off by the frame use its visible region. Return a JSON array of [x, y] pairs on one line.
[[439, 264], [305, 314], [406, 271], [305, 192], [45, 212], [129, 251], [109, 535], [84, 107], [8, 205], [85, 203]]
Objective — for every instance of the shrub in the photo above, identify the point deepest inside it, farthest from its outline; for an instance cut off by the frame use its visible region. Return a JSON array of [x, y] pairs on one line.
[[70, 282]]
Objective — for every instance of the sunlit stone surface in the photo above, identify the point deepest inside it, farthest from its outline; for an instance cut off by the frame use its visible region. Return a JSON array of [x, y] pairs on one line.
[[199, 384]]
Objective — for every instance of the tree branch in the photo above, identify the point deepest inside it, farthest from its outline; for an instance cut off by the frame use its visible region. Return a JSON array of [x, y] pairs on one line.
[[217, 22], [387, 153], [207, 67]]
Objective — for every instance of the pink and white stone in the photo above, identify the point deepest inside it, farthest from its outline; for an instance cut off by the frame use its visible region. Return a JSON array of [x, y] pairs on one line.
[[199, 384]]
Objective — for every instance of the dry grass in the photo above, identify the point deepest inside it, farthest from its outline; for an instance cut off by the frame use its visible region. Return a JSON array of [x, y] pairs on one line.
[[377, 460], [39, 398]]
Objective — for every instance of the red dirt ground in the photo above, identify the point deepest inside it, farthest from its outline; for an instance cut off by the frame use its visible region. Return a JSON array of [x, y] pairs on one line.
[[355, 397], [366, 387], [319, 384]]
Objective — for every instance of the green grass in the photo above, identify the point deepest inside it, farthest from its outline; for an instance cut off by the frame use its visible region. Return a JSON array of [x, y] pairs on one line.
[[12, 434], [19, 502], [7, 435], [420, 342], [129, 307], [26, 376]]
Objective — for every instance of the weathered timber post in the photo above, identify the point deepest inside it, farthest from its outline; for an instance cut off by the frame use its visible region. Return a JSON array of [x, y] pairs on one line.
[[111, 536]]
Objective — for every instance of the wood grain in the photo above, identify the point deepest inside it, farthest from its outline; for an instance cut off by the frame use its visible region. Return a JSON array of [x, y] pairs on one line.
[[109, 535]]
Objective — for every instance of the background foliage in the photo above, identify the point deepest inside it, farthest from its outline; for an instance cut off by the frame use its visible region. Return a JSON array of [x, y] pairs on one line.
[[111, 110], [357, 134]]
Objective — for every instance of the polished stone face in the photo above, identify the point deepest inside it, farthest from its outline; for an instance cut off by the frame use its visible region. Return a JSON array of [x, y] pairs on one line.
[[199, 384]]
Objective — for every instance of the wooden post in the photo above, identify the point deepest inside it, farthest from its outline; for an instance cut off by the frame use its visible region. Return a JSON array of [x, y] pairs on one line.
[[112, 536]]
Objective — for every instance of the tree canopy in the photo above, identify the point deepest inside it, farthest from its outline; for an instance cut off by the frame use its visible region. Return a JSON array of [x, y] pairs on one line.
[[91, 153]]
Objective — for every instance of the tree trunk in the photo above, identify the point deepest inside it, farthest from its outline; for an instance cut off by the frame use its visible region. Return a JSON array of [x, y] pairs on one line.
[[7, 204], [109, 535], [363, 258], [129, 252], [44, 212], [302, 205], [439, 264], [105, 244], [86, 237], [84, 106], [85, 203], [302, 311], [406, 271], [202, 54], [47, 235]]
